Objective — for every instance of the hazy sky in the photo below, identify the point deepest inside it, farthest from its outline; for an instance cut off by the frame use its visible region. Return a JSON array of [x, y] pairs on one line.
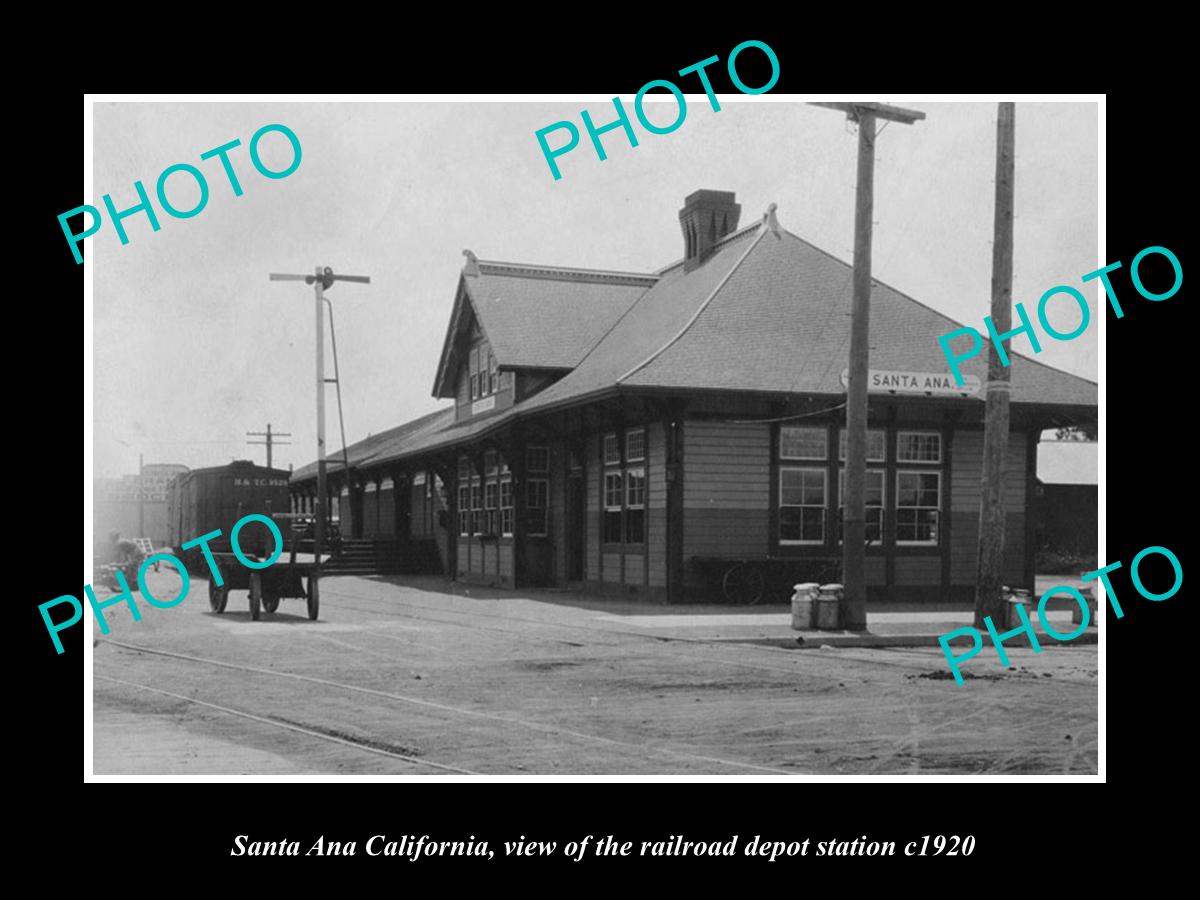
[[194, 346]]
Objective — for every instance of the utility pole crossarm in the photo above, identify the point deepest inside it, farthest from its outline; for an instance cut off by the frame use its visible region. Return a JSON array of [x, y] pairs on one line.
[[879, 110], [272, 438]]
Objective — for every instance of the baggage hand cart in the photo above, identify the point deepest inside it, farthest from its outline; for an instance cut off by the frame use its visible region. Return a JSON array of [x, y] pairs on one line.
[[294, 574]]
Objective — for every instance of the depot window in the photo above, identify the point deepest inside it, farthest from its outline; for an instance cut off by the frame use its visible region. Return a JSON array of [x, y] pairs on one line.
[[803, 442], [612, 506], [491, 493], [802, 498], [476, 506], [506, 507], [536, 496], [483, 372], [918, 447], [918, 506], [624, 487], [464, 510], [635, 506]]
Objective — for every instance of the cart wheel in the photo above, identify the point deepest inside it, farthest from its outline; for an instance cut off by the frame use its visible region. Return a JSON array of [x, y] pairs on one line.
[[217, 596], [314, 597], [743, 584], [270, 603], [255, 597]]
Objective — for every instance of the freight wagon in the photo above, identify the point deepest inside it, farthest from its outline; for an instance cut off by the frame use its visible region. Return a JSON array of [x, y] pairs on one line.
[[205, 500]]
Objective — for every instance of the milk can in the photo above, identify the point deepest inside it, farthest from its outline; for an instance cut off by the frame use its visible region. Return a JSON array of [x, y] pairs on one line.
[[829, 607], [804, 605], [1016, 597]]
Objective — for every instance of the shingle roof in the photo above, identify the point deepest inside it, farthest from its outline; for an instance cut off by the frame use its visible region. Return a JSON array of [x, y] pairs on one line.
[[657, 316], [572, 308], [767, 312], [381, 446], [781, 322]]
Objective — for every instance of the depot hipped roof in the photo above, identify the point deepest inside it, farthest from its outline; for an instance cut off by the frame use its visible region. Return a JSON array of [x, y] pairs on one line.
[[768, 312]]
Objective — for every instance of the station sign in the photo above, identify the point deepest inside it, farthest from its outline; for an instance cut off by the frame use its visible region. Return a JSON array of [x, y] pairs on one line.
[[929, 384]]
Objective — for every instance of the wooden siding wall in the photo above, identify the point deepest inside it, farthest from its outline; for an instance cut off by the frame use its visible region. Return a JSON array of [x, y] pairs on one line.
[[592, 565], [345, 514], [966, 488], [656, 506], [387, 512], [726, 489], [421, 524], [370, 511]]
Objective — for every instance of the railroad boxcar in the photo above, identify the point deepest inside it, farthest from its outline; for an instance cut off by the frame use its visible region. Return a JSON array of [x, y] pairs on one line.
[[205, 500]]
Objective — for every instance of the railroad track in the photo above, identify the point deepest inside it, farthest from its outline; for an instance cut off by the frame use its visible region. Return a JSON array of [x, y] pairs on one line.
[[363, 745], [444, 709], [678, 648]]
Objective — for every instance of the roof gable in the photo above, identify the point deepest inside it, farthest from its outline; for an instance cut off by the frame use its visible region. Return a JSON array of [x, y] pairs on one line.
[[538, 317], [463, 323]]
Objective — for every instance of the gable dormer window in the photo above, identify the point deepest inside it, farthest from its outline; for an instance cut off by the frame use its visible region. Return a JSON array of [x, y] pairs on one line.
[[483, 372]]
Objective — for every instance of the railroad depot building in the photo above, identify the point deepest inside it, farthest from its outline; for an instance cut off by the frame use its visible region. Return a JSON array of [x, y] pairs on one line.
[[622, 431]]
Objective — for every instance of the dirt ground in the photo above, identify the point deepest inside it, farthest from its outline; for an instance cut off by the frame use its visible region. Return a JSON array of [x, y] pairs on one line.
[[417, 676]]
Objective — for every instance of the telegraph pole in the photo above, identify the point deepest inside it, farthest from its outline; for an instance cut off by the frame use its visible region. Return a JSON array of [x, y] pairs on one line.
[[989, 579], [321, 281], [854, 524], [271, 440], [141, 496]]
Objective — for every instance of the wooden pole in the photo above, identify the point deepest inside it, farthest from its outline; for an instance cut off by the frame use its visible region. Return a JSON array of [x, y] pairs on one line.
[[141, 495], [854, 526], [854, 552], [989, 599], [272, 438], [319, 525]]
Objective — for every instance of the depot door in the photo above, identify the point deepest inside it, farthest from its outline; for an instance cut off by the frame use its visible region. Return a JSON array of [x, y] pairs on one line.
[[575, 521]]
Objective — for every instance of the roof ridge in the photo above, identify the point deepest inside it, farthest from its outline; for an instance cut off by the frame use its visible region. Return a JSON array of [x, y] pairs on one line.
[[565, 273], [729, 238], [936, 312], [699, 311], [600, 340]]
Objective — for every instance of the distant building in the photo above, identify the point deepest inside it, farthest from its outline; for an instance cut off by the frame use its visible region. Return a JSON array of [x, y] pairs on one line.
[[135, 506], [621, 431], [1067, 512]]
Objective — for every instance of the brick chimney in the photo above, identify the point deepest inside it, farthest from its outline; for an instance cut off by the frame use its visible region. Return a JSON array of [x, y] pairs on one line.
[[706, 217]]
